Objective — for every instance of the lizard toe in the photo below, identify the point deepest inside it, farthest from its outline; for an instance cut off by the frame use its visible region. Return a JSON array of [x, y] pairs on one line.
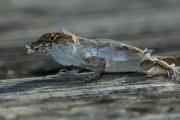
[[173, 74]]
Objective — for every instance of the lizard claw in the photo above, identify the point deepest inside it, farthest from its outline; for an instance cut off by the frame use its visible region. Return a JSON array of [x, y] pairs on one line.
[[173, 73]]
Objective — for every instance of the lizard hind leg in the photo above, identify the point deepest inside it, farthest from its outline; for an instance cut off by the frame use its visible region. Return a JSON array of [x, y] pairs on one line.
[[173, 73], [160, 67]]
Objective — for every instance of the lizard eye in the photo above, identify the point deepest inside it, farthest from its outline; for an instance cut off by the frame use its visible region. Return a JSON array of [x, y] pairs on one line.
[[53, 36]]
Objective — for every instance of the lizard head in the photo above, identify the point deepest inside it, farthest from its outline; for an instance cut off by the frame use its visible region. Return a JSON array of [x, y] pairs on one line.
[[47, 40]]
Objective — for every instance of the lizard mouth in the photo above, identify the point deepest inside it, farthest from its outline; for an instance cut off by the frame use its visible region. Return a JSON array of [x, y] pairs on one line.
[[38, 48]]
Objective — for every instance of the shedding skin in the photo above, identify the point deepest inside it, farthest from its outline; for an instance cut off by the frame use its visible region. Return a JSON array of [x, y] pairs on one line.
[[96, 55]]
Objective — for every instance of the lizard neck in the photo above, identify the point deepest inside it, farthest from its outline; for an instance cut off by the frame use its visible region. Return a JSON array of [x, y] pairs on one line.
[[64, 54]]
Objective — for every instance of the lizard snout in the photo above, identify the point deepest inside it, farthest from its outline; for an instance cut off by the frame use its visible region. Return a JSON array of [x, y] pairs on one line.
[[29, 49]]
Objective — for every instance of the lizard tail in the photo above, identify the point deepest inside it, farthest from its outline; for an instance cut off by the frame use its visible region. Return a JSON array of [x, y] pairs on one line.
[[170, 60]]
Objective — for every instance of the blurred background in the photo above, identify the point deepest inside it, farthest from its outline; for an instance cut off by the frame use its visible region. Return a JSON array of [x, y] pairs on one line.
[[143, 23]]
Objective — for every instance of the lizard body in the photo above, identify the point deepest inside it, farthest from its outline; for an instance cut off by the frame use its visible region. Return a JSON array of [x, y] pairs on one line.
[[99, 55]]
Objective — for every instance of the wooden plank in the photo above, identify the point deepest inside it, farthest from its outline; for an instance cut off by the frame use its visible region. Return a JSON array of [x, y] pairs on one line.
[[64, 96]]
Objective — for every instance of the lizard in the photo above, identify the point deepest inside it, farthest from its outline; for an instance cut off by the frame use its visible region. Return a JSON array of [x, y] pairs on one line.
[[101, 55]]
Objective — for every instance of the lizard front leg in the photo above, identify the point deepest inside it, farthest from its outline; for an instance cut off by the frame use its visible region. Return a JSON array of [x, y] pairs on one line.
[[96, 64]]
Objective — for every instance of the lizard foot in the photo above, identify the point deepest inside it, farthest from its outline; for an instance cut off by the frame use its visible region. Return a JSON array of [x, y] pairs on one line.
[[173, 73]]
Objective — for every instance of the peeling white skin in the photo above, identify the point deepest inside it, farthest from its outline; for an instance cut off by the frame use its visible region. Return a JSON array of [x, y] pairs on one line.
[[116, 61], [65, 55]]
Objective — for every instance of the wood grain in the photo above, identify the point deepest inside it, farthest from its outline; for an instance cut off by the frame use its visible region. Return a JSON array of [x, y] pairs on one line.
[[65, 96]]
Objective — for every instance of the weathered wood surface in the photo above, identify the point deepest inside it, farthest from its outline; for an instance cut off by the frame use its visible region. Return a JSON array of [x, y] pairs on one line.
[[128, 96]]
